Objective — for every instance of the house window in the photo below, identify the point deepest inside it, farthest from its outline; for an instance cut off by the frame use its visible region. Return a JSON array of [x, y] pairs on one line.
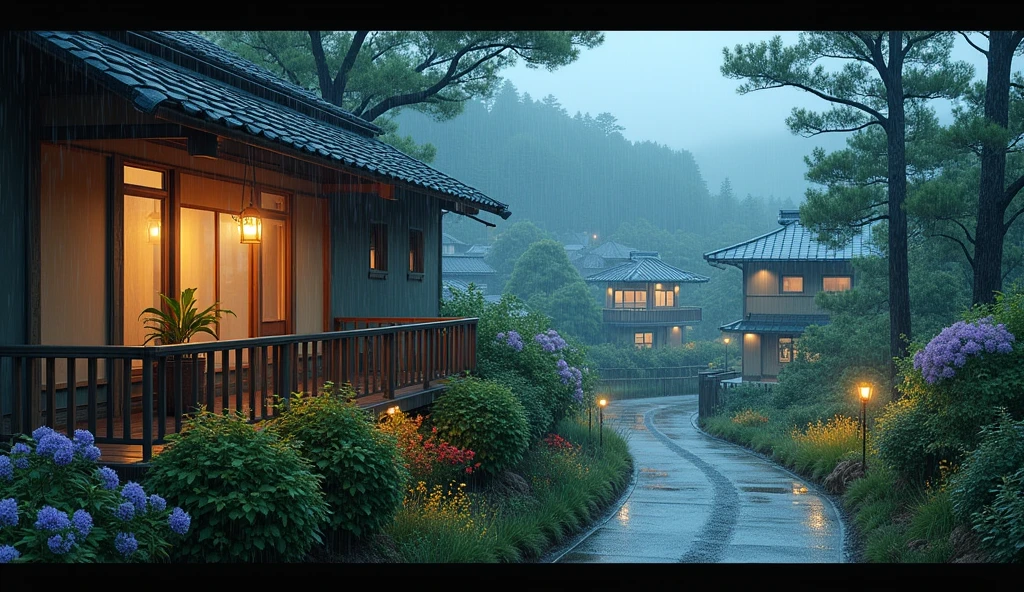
[[642, 340], [140, 177], [786, 351], [839, 283], [448, 250], [415, 250], [630, 299], [664, 298], [378, 250], [792, 283]]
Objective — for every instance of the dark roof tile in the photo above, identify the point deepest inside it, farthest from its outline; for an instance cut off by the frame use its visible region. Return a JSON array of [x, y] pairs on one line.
[[645, 266]]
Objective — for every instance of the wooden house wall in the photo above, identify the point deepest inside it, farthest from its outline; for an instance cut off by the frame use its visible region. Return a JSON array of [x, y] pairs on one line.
[[353, 293], [751, 356], [763, 290]]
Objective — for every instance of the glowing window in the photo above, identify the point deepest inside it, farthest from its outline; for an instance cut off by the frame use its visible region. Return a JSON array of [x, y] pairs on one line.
[[379, 247], [643, 339], [786, 350], [143, 177], [664, 298], [836, 283], [792, 283]]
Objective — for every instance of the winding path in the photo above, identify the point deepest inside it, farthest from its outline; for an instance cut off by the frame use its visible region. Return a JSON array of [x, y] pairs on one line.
[[697, 499]]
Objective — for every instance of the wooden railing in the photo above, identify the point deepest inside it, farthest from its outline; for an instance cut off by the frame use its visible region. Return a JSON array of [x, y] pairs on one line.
[[709, 391], [652, 316], [244, 375]]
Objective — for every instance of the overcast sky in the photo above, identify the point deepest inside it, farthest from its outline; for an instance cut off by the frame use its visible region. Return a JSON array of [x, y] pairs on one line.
[[667, 87]]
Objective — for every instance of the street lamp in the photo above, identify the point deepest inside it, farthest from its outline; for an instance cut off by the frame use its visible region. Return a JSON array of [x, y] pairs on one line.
[[602, 402], [864, 389], [726, 341]]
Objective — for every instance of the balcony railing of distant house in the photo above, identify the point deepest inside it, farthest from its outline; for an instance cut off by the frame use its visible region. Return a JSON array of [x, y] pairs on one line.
[[652, 316], [136, 395]]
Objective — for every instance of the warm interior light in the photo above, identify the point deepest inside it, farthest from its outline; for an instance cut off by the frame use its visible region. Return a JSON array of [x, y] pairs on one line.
[[657, 286], [154, 228], [865, 391], [725, 340], [602, 402], [250, 226]]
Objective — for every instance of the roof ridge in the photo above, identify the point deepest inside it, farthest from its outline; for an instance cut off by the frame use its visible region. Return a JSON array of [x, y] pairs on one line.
[[755, 239]]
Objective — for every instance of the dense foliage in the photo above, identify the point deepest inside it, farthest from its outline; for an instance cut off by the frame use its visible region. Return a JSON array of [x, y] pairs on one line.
[[364, 477], [58, 506], [252, 496]]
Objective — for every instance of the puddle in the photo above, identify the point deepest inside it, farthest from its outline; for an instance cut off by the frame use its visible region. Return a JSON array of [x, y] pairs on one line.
[[767, 489]]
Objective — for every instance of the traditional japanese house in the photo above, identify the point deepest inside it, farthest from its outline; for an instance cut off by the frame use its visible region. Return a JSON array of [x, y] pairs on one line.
[[782, 272], [128, 162], [642, 301], [468, 269]]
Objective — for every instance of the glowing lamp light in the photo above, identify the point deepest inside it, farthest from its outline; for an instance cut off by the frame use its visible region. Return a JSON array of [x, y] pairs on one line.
[[726, 340], [602, 402], [864, 389], [250, 225], [153, 231], [392, 410]]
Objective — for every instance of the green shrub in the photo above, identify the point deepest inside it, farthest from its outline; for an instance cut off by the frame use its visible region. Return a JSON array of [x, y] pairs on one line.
[[486, 418], [1001, 524], [905, 440], [534, 400], [252, 496], [89, 516], [364, 477], [1000, 454]]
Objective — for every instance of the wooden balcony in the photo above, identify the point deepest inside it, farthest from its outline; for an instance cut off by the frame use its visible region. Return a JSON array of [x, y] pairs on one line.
[[652, 316], [132, 397]]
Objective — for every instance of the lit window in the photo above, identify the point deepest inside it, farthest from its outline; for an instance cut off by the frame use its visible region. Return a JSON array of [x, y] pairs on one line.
[[143, 177], [273, 201], [643, 339], [664, 298], [786, 350], [379, 247], [415, 251], [792, 283], [630, 299], [840, 283]]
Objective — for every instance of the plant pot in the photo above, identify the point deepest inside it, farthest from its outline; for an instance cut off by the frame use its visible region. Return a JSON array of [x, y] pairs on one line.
[[189, 365]]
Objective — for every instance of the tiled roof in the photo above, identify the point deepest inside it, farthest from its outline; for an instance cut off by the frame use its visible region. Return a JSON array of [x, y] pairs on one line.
[[478, 250], [611, 250], [588, 261], [774, 323], [645, 266], [447, 239], [792, 242], [460, 264], [152, 83]]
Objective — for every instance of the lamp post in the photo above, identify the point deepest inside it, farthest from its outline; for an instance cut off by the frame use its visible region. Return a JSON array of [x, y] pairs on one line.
[[602, 402], [590, 421], [726, 341], [864, 389]]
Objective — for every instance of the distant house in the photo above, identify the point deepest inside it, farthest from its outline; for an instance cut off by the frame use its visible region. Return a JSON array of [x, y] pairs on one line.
[[451, 245], [467, 269], [782, 272], [589, 260], [478, 250], [642, 301]]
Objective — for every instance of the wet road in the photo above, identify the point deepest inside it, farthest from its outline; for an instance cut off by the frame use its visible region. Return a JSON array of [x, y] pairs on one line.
[[697, 499]]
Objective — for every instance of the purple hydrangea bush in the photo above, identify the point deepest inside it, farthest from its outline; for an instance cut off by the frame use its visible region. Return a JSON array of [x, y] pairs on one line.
[[953, 346], [58, 506]]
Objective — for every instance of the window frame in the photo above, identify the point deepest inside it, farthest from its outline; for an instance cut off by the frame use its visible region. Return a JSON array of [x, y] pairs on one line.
[[790, 348], [417, 250], [782, 284], [378, 250], [619, 299], [666, 295], [644, 336]]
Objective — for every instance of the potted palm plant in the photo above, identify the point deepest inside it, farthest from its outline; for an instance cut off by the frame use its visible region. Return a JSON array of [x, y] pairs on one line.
[[179, 324]]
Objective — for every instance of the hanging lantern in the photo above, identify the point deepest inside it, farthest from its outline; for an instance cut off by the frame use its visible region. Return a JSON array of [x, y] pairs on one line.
[[250, 220], [153, 228]]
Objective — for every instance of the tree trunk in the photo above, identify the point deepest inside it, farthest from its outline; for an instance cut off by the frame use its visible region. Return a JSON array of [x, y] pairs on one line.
[[899, 281], [992, 202]]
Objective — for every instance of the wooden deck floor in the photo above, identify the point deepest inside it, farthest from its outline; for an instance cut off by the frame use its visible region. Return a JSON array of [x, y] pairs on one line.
[[406, 399]]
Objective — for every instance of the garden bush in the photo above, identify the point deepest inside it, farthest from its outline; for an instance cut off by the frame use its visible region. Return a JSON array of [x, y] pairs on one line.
[[58, 506], [534, 400], [364, 478], [485, 417], [252, 496], [429, 459], [1001, 524], [999, 454]]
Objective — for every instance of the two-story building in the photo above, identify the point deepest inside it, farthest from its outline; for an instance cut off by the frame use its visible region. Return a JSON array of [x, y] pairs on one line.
[[642, 301], [782, 272]]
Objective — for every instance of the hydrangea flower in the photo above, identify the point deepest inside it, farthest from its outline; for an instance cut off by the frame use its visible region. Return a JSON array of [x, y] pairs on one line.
[[179, 521], [54, 444], [63, 456], [550, 341], [126, 511], [125, 543], [8, 554], [40, 432], [6, 468], [8, 512], [109, 478], [134, 493], [84, 438], [51, 519], [512, 339], [59, 544], [90, 453], [157, 503], [951, 348], [19, 455], [82, 522]]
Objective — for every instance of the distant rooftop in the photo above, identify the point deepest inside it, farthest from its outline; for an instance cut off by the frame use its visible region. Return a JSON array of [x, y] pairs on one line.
[[792, 242], [612, 250], [645, 266], [464, 265]]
